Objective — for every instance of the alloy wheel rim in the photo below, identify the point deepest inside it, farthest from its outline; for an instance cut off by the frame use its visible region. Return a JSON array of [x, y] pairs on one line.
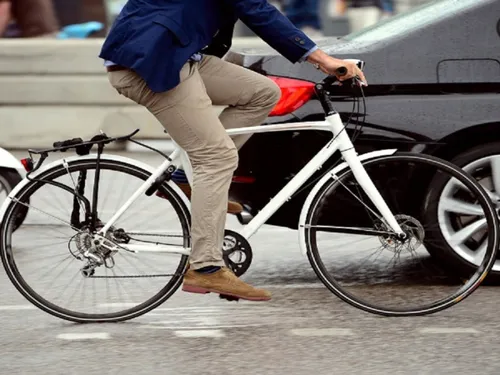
[[464, 222]]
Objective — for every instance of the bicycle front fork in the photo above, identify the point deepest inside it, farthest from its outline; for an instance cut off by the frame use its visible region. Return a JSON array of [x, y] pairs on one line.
[[350, 156]]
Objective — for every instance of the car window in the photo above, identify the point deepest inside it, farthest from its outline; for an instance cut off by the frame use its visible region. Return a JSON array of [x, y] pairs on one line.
[[414, 19]]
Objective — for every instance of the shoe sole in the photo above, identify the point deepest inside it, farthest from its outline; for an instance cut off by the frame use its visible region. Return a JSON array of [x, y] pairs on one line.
[[198, 290]]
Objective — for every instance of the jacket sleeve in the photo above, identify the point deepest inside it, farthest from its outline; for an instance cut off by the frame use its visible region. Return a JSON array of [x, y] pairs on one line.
[[273, 27]]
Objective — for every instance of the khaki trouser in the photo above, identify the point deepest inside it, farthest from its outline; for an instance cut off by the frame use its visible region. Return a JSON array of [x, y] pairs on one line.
[[186, 113]]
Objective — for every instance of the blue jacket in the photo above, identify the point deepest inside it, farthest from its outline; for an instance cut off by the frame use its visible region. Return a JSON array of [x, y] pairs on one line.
[[155, 38]]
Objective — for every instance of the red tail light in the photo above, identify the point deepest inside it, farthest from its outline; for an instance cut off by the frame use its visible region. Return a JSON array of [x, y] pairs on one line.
[[27, 164], [294, 94]]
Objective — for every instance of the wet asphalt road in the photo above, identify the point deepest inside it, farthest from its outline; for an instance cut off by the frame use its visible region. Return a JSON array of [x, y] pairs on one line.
[[304, 330]]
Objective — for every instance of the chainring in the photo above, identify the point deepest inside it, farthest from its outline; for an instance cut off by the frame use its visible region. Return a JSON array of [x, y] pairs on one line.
[[236, 252]]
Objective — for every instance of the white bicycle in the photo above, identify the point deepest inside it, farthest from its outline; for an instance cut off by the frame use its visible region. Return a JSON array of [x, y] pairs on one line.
[[126, 262]]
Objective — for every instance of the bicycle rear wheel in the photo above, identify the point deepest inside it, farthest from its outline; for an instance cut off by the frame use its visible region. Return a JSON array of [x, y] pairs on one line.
[[360, 259], [44, 256]]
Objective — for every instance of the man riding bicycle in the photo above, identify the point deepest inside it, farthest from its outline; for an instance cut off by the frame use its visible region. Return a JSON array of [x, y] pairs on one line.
[[166, 56]]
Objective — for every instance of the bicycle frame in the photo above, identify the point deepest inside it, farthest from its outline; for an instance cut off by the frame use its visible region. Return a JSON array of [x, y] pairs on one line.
[[340, 142]]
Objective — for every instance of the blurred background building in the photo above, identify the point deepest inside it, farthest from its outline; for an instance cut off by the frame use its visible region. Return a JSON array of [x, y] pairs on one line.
[[315, 17]]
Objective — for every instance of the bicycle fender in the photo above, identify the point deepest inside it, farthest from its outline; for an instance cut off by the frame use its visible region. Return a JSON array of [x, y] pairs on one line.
[[335, 171], [104, 157]]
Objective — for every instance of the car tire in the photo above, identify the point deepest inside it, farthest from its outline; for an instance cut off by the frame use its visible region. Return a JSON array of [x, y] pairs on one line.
[[477, 162], [9, 178]]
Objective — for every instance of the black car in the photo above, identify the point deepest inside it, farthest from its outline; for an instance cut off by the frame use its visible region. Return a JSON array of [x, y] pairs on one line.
[[434, 83]]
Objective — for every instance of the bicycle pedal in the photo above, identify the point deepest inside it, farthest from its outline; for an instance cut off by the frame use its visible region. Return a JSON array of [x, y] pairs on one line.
[[229, 298]]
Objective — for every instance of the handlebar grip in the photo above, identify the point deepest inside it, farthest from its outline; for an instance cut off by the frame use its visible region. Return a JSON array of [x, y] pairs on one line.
[[342, 71]]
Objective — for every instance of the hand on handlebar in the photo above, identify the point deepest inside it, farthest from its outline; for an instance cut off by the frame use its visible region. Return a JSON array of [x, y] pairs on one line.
[[342, 69]]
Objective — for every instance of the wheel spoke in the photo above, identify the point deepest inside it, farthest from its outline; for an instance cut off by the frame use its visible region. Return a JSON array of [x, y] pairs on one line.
[[31, 207], [456, 184], [480, 253], [138, 277], [492, 195], [404, 278], [349, 230], [460, 207], [495, 174], [460, 236]]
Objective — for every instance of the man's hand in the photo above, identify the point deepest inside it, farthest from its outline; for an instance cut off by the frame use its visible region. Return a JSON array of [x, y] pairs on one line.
[[329, 65]]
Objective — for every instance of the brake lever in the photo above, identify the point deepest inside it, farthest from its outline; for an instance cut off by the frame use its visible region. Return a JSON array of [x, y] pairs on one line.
[[358, 82]]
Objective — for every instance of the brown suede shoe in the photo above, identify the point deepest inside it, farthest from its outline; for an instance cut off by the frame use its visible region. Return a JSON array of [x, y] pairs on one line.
[[233, 208], [223, 282]]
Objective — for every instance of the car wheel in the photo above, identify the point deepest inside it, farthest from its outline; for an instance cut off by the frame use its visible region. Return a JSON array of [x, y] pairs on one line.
[[9, 178], [482, 162]]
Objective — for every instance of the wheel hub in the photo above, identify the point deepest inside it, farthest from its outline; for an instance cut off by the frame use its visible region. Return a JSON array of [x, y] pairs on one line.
[[97, 251], [413, 238]]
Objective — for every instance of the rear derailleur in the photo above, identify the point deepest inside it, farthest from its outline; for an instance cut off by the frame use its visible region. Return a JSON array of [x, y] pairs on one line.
[[96, 250]]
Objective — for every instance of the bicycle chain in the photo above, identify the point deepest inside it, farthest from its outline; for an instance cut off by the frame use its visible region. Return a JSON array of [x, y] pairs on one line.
[[131, 277], [156, 235], [142, 276]]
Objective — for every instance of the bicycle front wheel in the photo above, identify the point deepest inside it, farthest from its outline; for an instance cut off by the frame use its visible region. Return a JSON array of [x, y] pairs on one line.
[[47, 257], [360, 259]]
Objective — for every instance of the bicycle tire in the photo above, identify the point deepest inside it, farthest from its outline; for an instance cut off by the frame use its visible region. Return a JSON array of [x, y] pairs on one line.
[[479, 275], [27, 291]]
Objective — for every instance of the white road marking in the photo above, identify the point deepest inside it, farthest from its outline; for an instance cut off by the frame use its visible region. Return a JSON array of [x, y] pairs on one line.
[[315, 332], [190, 315], [167, 310], [221, 309], [154, 326], [187, 309], [199, 320], [17, 307], [195, 320], [84, 336], [200, 333], [292, 286], [439, 330], [119, 304]]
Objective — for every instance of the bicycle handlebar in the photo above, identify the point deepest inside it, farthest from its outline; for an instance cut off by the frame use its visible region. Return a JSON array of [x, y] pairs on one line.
[[342, 71], [83, 147], [322, 87]]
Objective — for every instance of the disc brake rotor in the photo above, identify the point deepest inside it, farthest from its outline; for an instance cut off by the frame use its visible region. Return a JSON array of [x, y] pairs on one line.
[[414, 231]]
